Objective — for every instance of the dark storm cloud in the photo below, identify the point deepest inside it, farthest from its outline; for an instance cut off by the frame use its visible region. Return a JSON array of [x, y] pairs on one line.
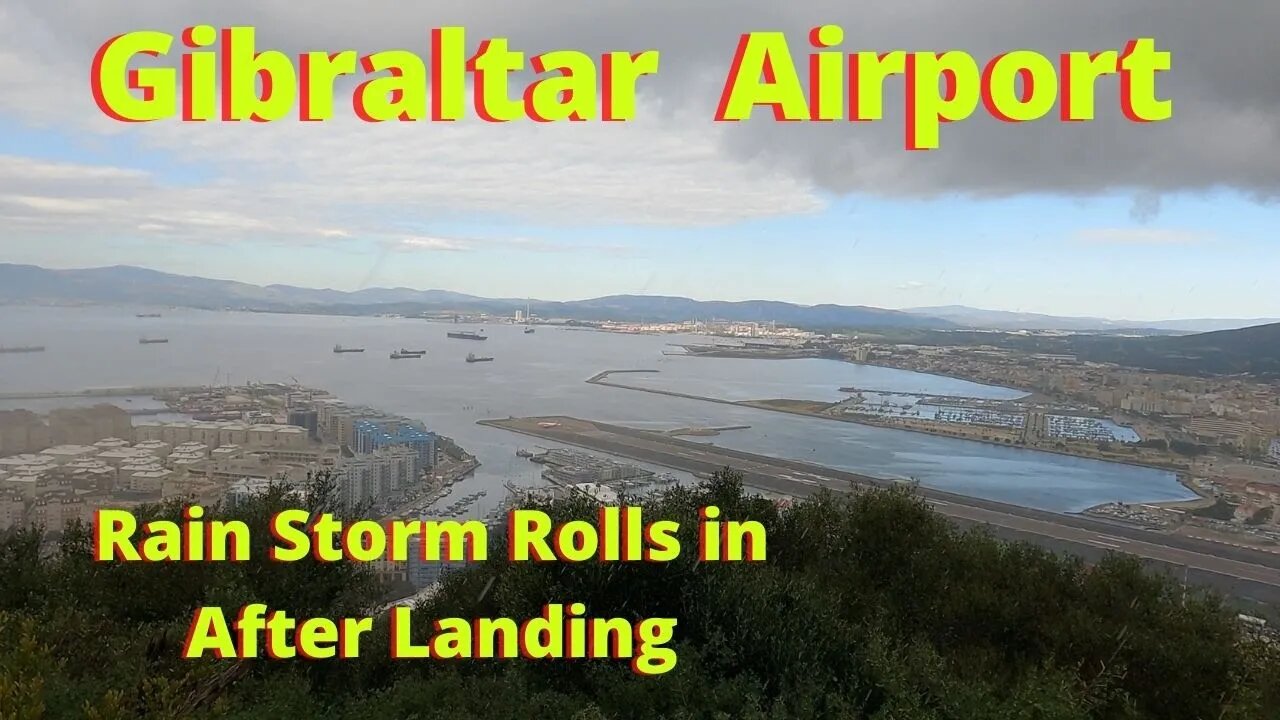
[[1225, 131]]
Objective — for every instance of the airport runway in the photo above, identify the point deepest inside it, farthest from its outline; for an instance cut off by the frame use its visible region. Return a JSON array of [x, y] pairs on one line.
[[1250, 576]]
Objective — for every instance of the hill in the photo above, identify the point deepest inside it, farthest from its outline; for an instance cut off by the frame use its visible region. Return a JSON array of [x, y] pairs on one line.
[[1005, 320], [139, 286], [1252, 351]]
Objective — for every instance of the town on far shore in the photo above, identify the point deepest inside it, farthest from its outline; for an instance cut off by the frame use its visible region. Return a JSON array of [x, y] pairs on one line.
[[1220, 434]]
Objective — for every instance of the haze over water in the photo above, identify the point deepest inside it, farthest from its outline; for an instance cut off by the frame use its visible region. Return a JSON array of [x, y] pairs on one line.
[[543, 374]]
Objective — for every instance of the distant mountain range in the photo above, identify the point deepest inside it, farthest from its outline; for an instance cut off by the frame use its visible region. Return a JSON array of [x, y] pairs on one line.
[[1004, 320], [139, 286], [126, 285]]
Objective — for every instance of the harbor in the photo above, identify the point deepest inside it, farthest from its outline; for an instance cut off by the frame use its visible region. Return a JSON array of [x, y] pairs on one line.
[[540, 373]]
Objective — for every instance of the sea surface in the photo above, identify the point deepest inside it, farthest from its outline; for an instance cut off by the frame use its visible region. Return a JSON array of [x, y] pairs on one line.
[[544, 374]]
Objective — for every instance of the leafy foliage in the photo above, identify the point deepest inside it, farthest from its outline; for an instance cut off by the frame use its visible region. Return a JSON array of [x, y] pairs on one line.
[[869, 605]]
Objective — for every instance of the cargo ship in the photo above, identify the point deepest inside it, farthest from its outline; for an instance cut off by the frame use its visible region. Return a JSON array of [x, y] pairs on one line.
[[404, 355], [340, 349], [23, 349], [148, 315], [153, 341], [472, 357], [412, 352], [467, 335]]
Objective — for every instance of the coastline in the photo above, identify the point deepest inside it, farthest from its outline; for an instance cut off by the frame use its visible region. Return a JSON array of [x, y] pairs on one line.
[[838, 358], [1184, 479], [601, 379]]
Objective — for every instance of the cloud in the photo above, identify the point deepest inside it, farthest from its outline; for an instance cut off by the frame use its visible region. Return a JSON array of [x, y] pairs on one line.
[[431, 244], [515, 244], [912, 285], [673, 166], [1139, 236], [543, 246]]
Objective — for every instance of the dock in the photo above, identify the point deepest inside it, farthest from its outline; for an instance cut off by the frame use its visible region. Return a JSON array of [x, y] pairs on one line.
[[1248, 574]]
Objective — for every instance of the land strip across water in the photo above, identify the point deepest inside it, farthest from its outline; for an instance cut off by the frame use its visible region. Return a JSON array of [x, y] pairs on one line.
[[1249, 575]]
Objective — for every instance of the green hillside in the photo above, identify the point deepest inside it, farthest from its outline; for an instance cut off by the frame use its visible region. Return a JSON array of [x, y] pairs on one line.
[[1253, 350], [868, 606]]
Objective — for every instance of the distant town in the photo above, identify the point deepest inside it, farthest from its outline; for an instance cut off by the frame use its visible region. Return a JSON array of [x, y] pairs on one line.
[[1220, 434]]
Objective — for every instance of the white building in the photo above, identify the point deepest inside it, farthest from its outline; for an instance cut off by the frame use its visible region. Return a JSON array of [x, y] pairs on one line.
[[378, 476], [13, 508], [27, 464], [66, 453], [601, 493]]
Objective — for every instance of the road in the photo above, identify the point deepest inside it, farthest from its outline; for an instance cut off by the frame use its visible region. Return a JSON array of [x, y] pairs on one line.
[[1252, 576]]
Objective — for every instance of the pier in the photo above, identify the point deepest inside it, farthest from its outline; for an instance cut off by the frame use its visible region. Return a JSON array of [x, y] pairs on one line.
[[1247, 574]]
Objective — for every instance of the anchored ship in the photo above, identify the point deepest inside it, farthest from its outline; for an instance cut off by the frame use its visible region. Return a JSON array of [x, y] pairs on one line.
[[404, 355], [148, 315], [472, 357], [22, 349], [153, 341], [340, 349], [467, 335], [412, 352]]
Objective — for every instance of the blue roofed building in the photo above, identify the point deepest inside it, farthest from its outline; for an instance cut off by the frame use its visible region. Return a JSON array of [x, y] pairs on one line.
[[372, 435]]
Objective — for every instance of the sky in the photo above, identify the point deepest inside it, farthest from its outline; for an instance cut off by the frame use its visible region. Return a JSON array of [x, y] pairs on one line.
[[1109, 218]]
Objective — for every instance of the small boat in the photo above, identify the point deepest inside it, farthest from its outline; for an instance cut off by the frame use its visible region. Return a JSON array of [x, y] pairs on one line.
[[340, 349], [528, 331], [153, 341], [412, 352], [404, 356], [473, 358]]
